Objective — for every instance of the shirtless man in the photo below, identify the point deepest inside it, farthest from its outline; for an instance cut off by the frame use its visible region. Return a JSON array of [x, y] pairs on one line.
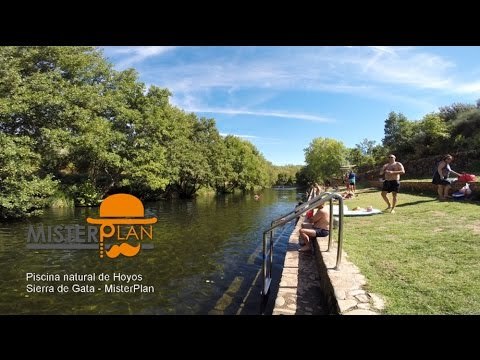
[[392, 171], [320, 228]]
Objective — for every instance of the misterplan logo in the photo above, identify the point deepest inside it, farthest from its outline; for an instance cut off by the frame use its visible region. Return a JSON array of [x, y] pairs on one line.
[[123, 227]]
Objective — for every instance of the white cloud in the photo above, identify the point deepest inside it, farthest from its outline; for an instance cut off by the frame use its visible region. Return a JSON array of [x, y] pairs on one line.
[[314, 68], [473, 87], [325, 69], [384, 49], [280, 114], [241, 136], [408, 74], [137, 54], [258, 140]]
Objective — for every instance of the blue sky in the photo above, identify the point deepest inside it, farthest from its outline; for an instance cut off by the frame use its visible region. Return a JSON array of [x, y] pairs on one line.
[[280, 98]]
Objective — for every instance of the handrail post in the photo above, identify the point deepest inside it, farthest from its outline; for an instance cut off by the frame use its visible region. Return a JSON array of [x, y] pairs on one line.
[[271, 254], [264, 265], [340, 233], [322, 198], [331, 225]]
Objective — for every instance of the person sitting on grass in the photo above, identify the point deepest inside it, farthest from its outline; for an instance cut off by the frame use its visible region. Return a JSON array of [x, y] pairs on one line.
[[317, 226]]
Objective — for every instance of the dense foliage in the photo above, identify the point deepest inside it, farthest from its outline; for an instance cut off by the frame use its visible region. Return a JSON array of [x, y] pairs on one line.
[[324, 157], [285, 175], [23, 192], [65, 113], [452, 129]]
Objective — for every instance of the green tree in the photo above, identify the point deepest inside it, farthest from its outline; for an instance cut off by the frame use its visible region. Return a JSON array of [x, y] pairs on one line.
[[225, 179], [398, 135], [99, 130], [249, 167], [66, 100], [149, 129], [366, 146], [431, 135], [356, 157], [303, 177], [48, 86], [396, 130], [286, 174], [379, 153], [466, 130], [324, 157], [451, 112], [282, 178], [23, 192]]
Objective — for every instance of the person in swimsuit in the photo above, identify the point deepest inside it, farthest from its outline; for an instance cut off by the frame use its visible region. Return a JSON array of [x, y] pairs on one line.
[[317, 226], [391, 171]]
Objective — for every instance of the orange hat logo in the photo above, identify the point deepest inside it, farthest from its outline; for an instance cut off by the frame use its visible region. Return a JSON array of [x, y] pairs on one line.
[[117, 211]]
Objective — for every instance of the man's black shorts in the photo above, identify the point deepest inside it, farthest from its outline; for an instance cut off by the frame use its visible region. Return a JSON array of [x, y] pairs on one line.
[[391, 186], [321, 232]]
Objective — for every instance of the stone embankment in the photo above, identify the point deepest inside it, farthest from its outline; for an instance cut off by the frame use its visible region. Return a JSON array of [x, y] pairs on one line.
[[310, 284]]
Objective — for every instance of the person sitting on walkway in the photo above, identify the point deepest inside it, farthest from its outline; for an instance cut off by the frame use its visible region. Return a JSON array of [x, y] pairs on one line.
[[440, 177], [320, 228]]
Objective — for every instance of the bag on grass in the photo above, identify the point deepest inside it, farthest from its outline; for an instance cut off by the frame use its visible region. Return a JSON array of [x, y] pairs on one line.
[[467, 178]]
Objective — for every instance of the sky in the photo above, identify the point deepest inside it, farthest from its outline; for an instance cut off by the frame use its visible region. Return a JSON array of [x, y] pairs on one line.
[[281, 98]]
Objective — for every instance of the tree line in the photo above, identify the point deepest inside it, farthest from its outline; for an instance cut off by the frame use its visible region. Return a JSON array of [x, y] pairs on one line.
[[73, 130], [451, 129]]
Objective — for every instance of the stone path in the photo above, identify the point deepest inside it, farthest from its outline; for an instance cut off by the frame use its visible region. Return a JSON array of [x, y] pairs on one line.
[[311, 286], [299, 291]]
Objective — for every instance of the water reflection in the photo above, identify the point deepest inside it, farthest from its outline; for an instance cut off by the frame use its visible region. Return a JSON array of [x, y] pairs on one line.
[[202, 247]]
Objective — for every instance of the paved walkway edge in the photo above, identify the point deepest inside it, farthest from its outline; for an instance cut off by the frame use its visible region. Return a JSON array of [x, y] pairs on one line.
[[343, 288], [299, 290]]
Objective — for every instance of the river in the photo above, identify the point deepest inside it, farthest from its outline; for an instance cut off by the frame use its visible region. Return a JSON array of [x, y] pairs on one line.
[[206, 256]]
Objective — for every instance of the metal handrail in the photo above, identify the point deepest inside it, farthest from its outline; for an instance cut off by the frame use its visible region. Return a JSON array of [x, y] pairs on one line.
[[299, 211], [301, 207]]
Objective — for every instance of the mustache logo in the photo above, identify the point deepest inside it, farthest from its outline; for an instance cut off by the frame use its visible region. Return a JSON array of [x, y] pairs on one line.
[[124, 249]]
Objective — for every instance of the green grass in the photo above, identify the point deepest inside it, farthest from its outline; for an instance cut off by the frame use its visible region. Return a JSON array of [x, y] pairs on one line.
[[424, 259]]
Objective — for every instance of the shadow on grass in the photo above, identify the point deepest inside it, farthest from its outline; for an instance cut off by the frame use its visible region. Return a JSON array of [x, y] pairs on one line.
[[466, 201], [369, 190], [416, 202]]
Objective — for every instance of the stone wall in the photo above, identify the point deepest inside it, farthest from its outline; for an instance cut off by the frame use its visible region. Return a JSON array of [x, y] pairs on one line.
[[429, 188], [343, 288], [468, 161]]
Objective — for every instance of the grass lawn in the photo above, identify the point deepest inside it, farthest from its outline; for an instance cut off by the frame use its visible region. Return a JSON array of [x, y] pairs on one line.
[[424, 259]]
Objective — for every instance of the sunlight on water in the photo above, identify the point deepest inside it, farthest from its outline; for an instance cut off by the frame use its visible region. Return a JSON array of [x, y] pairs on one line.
[[201, 247]]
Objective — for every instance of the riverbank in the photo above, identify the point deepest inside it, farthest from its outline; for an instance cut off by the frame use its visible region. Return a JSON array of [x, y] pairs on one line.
[[424, 258]]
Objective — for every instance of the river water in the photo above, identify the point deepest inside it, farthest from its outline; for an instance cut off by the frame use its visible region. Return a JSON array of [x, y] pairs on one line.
[[206, 256]]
